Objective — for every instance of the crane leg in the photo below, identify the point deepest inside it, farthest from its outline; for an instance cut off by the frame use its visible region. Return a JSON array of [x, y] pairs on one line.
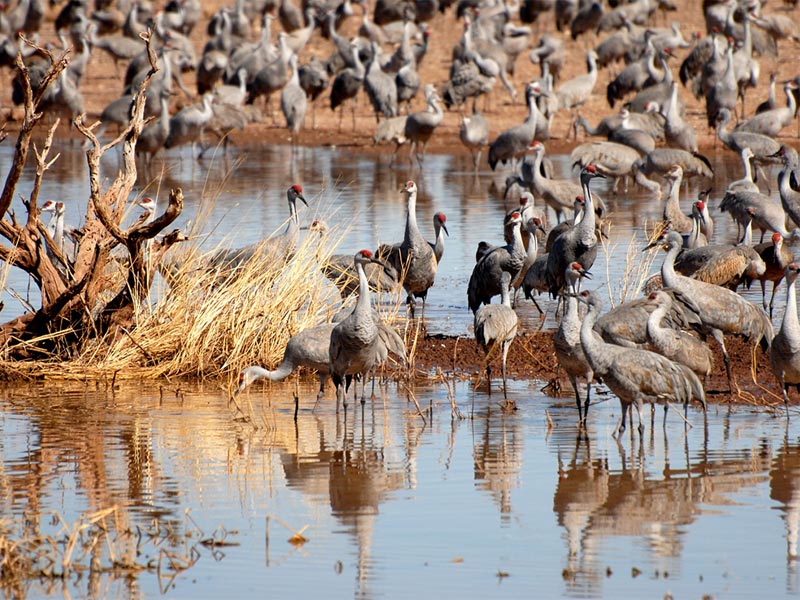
[[503, 367], [574, 381], [775, 285], [720, 339], [588, 396], [621, 429], [639, 412], [489, 379]]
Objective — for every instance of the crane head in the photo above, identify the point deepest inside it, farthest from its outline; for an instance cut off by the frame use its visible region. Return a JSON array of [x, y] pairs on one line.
[[410, 187], [439, 220], [49, 206], [791, 271], [591, 171], [777, 239], [296, 192]]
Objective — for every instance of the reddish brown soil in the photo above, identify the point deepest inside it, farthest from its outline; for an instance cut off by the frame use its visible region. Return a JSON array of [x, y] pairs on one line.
[[102, 84], [533, 357]]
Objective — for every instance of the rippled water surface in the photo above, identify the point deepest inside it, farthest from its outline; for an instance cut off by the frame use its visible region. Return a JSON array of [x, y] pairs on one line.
[[394, 504]]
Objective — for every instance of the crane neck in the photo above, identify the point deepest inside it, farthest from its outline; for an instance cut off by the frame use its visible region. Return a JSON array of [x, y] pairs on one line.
[[748, 169], [668, 275], [791, 101], [654, 320], [592, 345], [58, 236], [790, 323], [505, 295], [412, 233], [747, 237], [587, 223], [363, 302], [672, 105]]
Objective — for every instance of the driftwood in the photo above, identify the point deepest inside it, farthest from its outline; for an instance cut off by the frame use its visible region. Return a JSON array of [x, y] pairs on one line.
[[97, 294]]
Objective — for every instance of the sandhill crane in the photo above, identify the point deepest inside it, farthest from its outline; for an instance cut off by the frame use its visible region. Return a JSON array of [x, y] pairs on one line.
[[153, 137], [485, 281], [497, 324], [579, 243], [512, 143], [474, 134], [294, 101], [380, 87], [629, 135], [661, 160], [413, 258], [550, 54], [347, 84], [271, 251], [314, 80], [676, 344], [614, 160], [672, 209], [567, 342], [308, 348], [626, 324], [776, 256], [632, 374], [533, 225], [189, 123], [696, 238], [790, 198], [440, 230], [707, 223], [420, 125], [678, 132], [771, 101], [784, 352], [720, 310], [763, 147], [772, 122], [766, 214], [354, 342], [724, 93], [559, 194], [574, 93]]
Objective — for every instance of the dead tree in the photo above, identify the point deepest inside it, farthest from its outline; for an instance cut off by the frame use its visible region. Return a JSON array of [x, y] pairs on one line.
[[95, 295]]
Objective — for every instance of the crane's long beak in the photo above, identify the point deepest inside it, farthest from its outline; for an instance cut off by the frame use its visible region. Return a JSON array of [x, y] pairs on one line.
[[302, 198], [653, 244], [444, 227]]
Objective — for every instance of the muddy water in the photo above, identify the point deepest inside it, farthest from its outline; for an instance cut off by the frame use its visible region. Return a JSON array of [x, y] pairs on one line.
[[397, 506], [394, 506], [243, 196]]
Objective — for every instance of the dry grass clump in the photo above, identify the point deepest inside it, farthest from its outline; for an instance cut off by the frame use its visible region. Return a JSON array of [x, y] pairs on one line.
[[637, 266], [209, 322]]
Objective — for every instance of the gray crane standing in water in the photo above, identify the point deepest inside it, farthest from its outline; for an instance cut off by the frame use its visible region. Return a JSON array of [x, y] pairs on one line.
[[497, 324], [632, 374], [474, 134], [720, 310], [189, 124], [577, 244], [275, 250], [355, 340], [486, 279], [784, 353], [413, 258], [567, 342], [421, 124], [307, 348]]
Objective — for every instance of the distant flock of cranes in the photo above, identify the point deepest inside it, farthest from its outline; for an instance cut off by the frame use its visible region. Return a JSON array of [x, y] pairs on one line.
[[645, 350]]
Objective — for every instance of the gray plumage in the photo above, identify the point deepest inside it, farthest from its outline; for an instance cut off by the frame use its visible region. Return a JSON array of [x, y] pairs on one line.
[[486, 279], [413, 258], [772, 122], [512, 143], [497, 324], [672, 208], [567, 343], [577, 244], [420, 125], [763, 147], [720, 310], [308, 348], [661, 160], [790, 198], [784, 353], [474, 134], [189, 123], [273, 251], [635, 375], [380, 87], [294, 101], [674, 343], [355, 341]]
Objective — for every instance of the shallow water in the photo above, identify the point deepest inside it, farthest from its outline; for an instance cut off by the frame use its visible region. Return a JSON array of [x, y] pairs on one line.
[[493, 505]]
